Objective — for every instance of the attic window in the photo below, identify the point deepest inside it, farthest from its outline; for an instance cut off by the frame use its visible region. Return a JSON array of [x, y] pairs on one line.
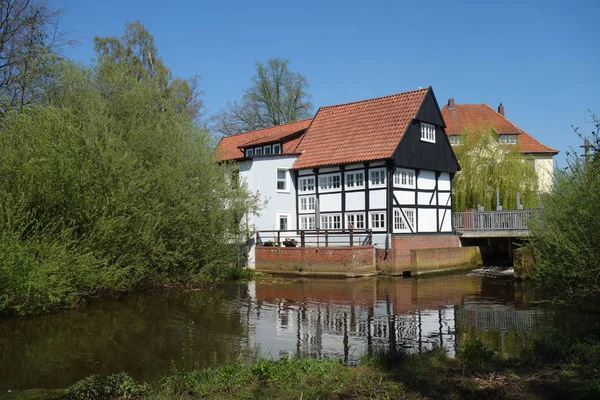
[[427, 132], [508, 139], [276, 148], [249, 152], [258, 151]]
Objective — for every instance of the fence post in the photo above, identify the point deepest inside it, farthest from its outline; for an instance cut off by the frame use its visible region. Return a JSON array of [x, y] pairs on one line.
[[351, 238], [370, 237], [326, 238], [278, 238], [302, 240]]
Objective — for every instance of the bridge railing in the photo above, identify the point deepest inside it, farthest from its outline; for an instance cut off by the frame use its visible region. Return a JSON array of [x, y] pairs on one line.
[[509, 220], [315, 238]]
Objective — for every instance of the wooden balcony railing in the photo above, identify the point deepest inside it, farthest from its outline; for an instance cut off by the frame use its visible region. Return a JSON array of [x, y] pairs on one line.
[[510, 220], [315, 238]]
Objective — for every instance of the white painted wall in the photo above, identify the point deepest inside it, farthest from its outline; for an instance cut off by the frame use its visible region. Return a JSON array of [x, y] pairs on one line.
[[405, 197], [260, 174], [426, 198], [444, 199], [446, 224], [426, 220], [544, 167], [377, 199], [444, 181], [330, 202], [355, 201], [426, 180]]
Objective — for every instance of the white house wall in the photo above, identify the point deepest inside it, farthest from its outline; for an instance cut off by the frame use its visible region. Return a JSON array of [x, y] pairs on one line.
[[260, 175], [544, 167]]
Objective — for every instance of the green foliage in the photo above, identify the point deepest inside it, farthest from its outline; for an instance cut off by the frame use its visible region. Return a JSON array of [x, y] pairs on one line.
[[277, 96], [98, 387], [486, 166], [476, 354], [111, 186], [566, 237]]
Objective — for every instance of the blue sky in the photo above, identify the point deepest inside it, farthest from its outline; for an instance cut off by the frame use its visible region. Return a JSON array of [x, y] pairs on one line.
[[539, 58]]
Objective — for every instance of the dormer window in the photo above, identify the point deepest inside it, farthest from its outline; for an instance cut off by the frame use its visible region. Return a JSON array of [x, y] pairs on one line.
[[267, 150], [249, 152], [276, 148], [508, 139], [427, 132], [258, 151]]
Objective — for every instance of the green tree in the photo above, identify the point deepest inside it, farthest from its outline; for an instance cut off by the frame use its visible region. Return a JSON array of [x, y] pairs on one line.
[[137, 51], [30, 42], [277, 96], [565, 238], [487, 165]]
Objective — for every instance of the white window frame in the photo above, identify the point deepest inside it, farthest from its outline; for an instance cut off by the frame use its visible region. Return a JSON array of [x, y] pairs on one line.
[[427, 132], [405, 178], [377, 220], [277, 148], [327, 183], [286, 181], [304, 181], [307, 222], [508, 139], [287, 215], [249, 152], [351, 177], [269, 148], [401, 224], [307, 203], [258, 151], [352, 218], [331, 221], [372, 184]]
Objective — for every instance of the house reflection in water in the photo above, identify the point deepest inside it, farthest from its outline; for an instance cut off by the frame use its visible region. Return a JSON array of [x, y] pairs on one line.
[[348, 318]]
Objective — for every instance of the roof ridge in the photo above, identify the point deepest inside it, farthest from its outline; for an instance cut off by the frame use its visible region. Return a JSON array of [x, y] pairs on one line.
[[374, 98], [268, 127], [538, 142]]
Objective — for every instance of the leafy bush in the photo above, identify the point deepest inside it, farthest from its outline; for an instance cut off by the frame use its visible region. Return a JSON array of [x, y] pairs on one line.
[[97, 387], [476, 354]]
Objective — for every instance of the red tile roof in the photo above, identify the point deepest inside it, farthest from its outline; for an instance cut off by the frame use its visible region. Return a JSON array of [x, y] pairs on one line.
[[229, 146], [359, 131], [473, 117]]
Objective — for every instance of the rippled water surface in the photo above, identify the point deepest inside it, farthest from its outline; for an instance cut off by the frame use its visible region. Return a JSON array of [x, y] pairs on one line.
[[144, 334]]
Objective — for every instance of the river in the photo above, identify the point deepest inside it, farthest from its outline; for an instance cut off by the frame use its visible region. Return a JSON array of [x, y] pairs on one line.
[[145, 334]]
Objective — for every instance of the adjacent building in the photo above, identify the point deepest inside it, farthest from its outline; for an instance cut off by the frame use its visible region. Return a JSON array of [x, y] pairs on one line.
[[461, 119]]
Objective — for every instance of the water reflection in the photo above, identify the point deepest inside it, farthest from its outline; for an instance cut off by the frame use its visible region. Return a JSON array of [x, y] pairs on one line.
[[144, 334]]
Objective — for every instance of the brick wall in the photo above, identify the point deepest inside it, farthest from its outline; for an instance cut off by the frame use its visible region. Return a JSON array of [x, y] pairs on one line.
[[330, 261], [432, 260]]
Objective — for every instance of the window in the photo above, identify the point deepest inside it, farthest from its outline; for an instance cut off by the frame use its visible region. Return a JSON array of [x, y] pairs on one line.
[[377, 220], [355, 221], [355, 180], [307, 203], [427, 132], [377, 177], [306, 184], [331, 222], [282, 181], [249, 152], [307, 222], [283, 222], [277, 148], [400, 223], [404, 178], [329, 182], [508, 139], [456, 140], [258, 151], [267, 150]]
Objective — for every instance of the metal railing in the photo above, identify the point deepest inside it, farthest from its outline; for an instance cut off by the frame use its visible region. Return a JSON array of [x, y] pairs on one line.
[[315, 238], [510, 220]]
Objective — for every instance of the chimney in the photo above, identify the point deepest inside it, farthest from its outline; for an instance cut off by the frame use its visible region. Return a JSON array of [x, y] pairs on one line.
[[501, 109], [451, 103]]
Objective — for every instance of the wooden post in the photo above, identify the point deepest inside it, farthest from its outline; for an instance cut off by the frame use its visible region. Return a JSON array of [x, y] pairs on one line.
[[278, 238], [370, 237], [326, 238], [302, 239], [351, 238]]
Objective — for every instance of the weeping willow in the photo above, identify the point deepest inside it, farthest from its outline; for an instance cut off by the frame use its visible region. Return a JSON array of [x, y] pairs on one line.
[[487, 165]]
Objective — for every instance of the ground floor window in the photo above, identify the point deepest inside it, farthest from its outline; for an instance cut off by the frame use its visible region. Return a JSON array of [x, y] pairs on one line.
[[402, 224], [331, 222], [377, 220], [307, 222], [355, 221], [284, 221]]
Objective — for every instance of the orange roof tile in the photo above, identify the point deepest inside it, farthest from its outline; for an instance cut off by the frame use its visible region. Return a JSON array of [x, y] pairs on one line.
[[359, 131], [474, 117], [229, 146]]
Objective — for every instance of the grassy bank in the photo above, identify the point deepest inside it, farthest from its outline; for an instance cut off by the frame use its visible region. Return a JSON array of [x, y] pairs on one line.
[[551, 369]]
